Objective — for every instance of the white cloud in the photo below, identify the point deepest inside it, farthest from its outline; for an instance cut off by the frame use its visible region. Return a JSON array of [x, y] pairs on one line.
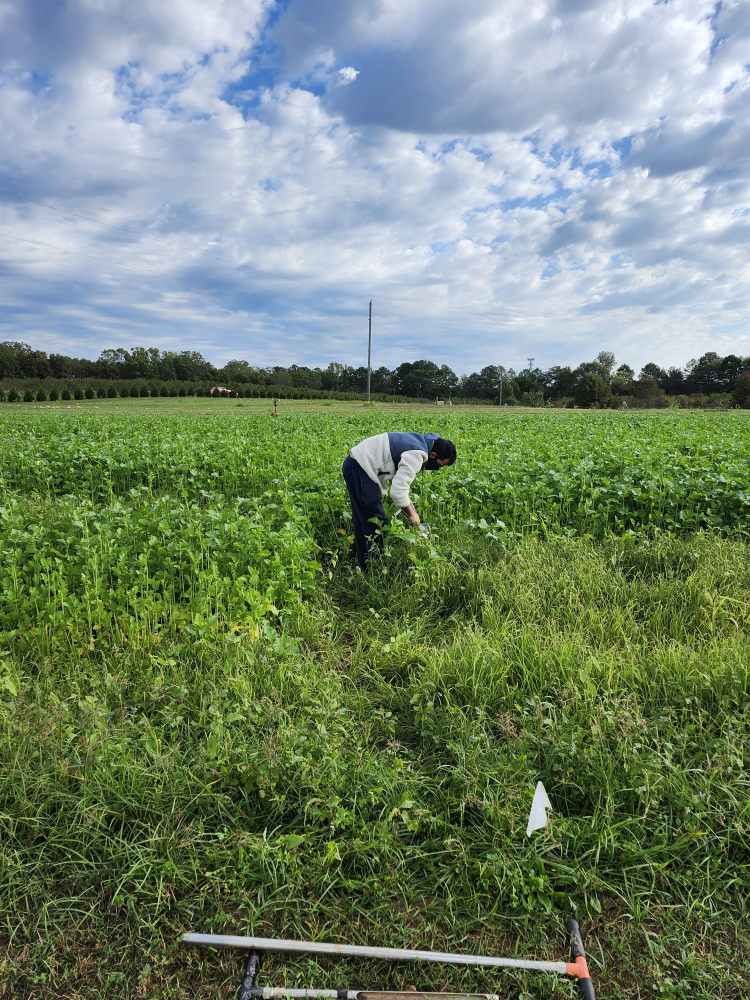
[[553, 177]]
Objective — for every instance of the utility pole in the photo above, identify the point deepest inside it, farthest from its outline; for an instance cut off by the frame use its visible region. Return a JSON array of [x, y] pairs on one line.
[[531, 364], [369, 352], [501, 389]]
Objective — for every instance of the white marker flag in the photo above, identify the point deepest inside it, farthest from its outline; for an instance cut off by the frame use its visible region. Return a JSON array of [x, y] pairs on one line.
[[539, 807]]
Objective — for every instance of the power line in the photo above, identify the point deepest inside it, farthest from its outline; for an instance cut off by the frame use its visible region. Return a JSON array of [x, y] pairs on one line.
[[395, 316]]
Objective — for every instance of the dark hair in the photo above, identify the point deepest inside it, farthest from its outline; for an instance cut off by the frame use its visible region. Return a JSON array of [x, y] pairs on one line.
[[444, 449]]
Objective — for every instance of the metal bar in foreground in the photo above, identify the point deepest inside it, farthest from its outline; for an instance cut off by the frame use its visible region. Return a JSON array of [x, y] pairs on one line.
[[363, 951], [279, 992]]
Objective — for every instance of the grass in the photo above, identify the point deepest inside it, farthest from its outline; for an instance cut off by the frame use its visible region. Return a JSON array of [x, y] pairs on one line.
[[358, 764]]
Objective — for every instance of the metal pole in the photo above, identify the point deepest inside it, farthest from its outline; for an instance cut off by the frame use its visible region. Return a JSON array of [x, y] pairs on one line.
[[359, 951], [501, 390], [369, 351]]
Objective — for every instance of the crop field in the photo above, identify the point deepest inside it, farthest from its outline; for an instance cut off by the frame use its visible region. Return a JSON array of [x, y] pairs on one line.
[[212, 721]]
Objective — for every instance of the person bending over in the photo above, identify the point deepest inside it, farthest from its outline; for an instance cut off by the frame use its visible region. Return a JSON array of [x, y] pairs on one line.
[[376, 460]]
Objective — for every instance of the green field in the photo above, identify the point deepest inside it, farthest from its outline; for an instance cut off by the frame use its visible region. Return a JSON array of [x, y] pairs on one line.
[[212, 721]]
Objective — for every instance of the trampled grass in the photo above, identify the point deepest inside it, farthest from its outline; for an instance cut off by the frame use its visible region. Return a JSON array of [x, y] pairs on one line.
[[212, 722]]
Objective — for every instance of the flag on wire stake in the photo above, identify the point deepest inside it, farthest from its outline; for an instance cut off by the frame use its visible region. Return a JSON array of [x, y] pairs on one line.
[[539, 807]]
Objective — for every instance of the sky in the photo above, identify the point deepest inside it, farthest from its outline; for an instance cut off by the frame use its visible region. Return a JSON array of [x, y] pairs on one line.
[[504, 180]]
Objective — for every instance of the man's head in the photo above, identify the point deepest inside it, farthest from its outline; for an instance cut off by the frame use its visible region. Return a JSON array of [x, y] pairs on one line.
[[443, 453]]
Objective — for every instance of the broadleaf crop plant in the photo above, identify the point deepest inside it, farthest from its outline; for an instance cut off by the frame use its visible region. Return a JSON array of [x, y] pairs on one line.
[[212, 721]]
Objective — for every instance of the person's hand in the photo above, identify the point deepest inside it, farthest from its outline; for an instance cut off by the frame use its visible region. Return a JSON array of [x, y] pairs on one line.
[[412, 515]]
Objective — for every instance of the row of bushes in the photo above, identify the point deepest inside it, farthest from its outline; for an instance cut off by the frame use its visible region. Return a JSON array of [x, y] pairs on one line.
[[42, 390], [125, 389], [42, 396]]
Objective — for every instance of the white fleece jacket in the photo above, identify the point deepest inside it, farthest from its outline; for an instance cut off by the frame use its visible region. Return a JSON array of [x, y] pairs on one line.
[[374, 456]]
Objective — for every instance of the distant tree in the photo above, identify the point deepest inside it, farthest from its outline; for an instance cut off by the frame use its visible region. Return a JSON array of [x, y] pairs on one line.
[[41, 396], [236, 371], [446, 383], [741, 391], [532, 382], [592, 391], [673, 382], [485, 384], [649, 392], [114, 363], [703, 375], [331, 376], [729, 370], [303, 377], [418, 378], [382, 380], [606, 362], [8, 359], [280, 376], [652, 371], [143, 362], [32, 364], [622, 380], [560, 382], [190, 365]]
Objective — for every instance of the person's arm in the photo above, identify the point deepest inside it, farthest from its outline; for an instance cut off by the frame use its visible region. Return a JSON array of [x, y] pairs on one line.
[[410, 464]]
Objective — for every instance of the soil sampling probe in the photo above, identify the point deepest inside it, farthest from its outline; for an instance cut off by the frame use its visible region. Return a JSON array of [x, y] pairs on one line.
[[576, 968]]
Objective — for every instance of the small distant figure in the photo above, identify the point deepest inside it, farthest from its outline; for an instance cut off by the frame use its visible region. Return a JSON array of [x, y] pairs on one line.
[[624, 405], [275, 408]]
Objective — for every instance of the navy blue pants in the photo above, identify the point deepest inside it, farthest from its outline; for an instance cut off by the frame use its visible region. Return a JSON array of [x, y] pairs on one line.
[[367, 502]]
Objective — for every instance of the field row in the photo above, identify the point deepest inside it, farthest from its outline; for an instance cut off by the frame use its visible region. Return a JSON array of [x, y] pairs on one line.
[[589, 474]]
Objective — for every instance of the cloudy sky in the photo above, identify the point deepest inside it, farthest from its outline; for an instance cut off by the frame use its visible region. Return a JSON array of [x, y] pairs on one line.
[[504, 180]]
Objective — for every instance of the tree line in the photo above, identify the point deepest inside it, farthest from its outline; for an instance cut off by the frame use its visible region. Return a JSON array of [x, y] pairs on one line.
[[592, 383]]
